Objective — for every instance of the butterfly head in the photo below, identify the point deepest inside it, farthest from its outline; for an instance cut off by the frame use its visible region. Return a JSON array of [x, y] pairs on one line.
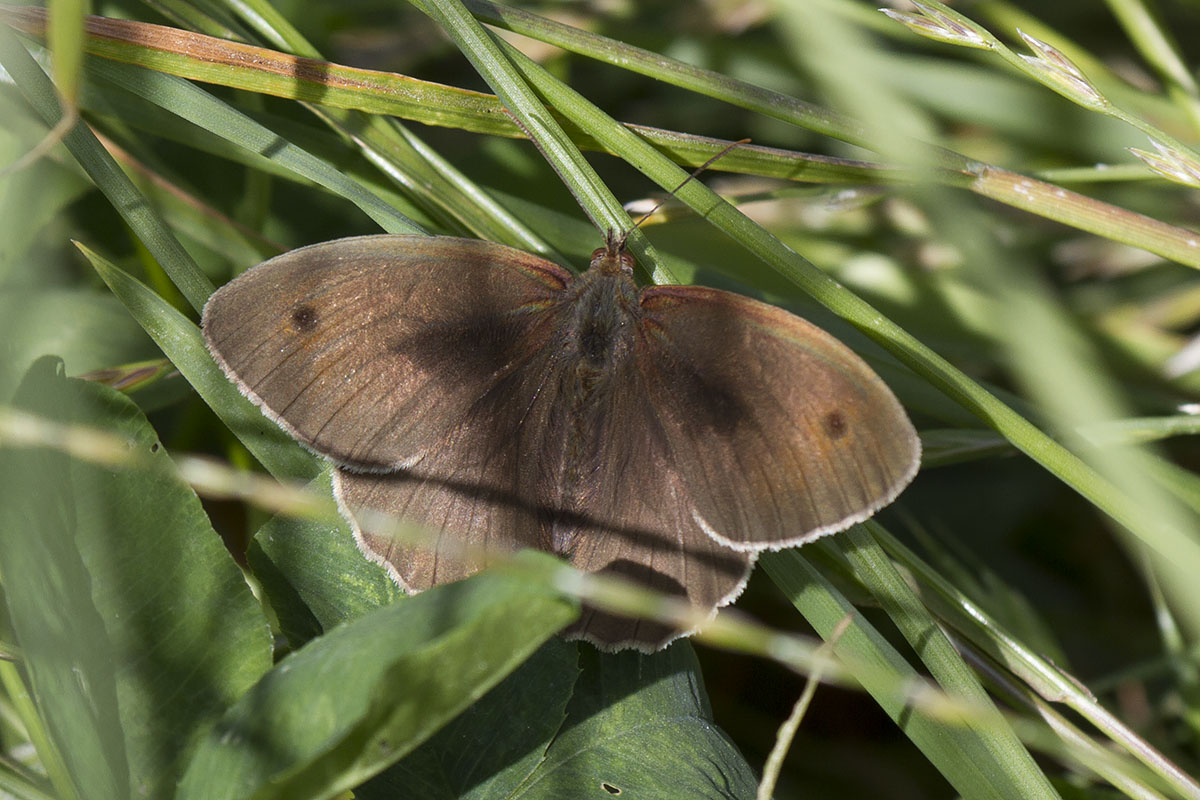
[[613, 258]]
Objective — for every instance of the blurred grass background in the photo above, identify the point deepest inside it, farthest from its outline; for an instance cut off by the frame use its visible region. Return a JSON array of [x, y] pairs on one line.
[[1072, 329]]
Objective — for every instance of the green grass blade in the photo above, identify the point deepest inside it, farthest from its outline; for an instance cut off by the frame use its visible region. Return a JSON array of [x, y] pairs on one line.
[[100, 166], [1043, 676], [876, 572], [487, 58], [401, 154], [954, 749], [66, 37], [201, 108]]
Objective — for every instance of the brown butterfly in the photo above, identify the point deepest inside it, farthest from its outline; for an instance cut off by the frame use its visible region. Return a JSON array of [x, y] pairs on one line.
[[666, 434]]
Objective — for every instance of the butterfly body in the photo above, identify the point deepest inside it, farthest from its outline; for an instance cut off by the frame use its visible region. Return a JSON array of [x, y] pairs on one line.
[[665, 434]]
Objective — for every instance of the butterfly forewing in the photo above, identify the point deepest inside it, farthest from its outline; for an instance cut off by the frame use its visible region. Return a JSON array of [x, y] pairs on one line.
[[780, 432], [370, 350]]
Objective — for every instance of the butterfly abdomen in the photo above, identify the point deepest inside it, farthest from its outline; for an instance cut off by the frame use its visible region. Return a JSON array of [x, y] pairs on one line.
[[596, 341]]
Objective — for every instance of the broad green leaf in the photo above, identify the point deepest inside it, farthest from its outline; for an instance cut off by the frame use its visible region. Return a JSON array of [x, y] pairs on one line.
[[357, 699], [84, 328], [496, 744], [314, 574], [137, 628], [315, 577], [640, 726]]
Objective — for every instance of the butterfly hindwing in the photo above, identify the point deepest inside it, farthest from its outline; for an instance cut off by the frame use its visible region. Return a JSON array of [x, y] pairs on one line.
[[633, 520]]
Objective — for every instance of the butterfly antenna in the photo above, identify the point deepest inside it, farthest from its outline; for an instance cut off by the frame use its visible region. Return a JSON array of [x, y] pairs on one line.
[[685, 182]]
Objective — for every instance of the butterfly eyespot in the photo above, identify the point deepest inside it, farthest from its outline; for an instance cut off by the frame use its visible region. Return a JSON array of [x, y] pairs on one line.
[[835, 425], [304, 318]]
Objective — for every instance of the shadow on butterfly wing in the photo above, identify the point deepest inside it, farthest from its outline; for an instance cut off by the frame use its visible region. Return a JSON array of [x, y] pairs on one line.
[[494, 522]]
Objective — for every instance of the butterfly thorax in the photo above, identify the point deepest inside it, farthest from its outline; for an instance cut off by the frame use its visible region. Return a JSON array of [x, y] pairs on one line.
[[601, 329], [604, 312]]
